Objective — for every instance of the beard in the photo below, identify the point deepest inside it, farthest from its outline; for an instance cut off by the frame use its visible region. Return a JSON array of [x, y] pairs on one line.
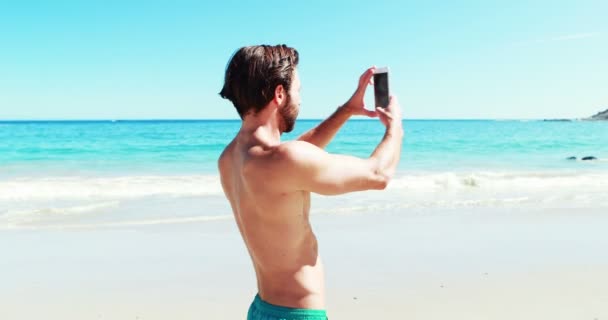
[[289, 113]]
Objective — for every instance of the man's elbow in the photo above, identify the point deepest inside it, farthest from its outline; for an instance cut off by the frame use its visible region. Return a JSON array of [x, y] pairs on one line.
[[380, 181], [379, 176]]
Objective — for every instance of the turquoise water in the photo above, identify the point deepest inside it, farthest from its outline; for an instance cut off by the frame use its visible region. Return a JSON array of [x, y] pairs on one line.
[[90, 174], [170, 147]]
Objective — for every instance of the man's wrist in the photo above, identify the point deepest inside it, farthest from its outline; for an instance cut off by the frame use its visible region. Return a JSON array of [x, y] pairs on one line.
[[395, 127], [345, 109]]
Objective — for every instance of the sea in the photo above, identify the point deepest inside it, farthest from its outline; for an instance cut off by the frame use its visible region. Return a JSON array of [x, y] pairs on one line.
[[132, 173]]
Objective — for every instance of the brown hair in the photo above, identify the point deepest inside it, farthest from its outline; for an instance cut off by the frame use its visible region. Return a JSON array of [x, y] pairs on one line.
[[254, 72]]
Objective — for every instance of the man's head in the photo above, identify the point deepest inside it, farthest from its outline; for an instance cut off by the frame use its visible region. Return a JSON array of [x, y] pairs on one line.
[[258, 76]]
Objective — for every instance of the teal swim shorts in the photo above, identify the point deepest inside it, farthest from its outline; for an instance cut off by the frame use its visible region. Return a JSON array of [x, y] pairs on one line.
[[261, 310]]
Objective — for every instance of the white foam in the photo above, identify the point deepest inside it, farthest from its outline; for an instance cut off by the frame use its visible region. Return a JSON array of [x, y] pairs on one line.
[[133, 187], [126, 187], [500, 181], [37, 216], [455, 190], [89, 202], [115, 224], [66, 211]]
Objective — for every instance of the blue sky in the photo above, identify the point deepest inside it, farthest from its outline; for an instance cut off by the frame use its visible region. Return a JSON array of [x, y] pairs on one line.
[[166, 59]]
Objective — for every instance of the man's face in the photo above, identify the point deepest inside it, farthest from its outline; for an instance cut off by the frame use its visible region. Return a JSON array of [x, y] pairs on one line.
[[290, 109]]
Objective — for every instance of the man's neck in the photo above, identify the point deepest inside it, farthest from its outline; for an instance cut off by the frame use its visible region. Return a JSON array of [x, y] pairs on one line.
[[263, 127]]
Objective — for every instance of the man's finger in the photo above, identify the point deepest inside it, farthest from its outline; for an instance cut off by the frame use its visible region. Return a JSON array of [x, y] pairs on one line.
[[385, 111], [366, 76], [370, 113], [392, 99], [381, 110]]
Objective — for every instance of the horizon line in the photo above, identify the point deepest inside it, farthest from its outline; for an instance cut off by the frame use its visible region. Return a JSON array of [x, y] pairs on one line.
[[304, 119]]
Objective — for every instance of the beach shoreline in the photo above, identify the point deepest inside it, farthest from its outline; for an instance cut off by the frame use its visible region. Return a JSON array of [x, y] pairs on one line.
[[425, 264]]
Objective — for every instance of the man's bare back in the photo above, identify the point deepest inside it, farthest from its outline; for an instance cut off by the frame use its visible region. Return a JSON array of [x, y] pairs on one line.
[[275, 227], [268, 182]]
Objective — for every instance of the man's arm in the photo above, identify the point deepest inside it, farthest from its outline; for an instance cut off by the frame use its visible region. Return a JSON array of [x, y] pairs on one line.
[[322, 134], [299, 165]]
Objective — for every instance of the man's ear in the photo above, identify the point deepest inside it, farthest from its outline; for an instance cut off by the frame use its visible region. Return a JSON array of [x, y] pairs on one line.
[[279, 94]]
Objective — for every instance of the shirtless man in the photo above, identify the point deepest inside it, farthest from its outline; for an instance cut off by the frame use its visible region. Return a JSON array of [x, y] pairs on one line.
[[268, 183]]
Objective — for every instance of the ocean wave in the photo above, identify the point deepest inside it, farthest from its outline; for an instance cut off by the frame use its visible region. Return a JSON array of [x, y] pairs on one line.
[[131, 201], [135, 187], [59, 211], [37, 225], [45, 215], [125, 187], [500, 181]]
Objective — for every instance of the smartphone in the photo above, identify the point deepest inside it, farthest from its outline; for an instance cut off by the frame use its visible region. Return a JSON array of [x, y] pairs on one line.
[[381, 92]]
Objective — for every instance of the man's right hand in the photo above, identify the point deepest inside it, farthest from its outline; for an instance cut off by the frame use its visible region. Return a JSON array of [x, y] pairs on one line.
[[391, 115]]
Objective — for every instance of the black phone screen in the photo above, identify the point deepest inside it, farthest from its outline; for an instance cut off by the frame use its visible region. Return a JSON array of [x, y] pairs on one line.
[[381, 89]]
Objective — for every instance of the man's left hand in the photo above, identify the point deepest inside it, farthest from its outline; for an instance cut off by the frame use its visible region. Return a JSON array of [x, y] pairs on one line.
[[355, 106]]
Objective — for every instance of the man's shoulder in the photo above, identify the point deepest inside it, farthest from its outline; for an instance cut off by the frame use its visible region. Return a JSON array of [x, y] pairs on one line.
[[288, 157], [225, 156], [297, 150], [284, 152]]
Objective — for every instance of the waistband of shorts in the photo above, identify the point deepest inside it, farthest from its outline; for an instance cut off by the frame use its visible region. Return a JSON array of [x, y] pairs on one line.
[[291, 313]]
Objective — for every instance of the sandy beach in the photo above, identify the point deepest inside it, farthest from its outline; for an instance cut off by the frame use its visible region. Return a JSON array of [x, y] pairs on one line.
[[474, 263]]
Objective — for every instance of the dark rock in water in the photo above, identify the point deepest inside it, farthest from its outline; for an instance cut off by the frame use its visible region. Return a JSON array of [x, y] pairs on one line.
[[588, 158], [557, 120], [600, 116], [571, 158]]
